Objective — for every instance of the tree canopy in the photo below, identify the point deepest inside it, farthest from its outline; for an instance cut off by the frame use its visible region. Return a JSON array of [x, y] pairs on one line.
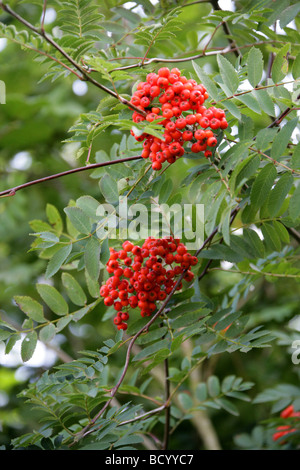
[[172, 104]]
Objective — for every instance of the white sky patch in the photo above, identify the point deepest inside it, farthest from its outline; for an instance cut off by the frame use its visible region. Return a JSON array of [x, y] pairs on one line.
[[258, 231], [3, 42], [227, 5], [295, 323], [138, 9], [42, 356], [226, 265], [21, 161], [4, 399], [50, 16], [79, 88]]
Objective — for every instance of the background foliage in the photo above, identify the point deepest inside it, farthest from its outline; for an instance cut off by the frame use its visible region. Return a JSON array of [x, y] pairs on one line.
[[227, 387]]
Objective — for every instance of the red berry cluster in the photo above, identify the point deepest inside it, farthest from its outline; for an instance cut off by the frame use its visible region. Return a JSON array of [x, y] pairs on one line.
[[144, 275], [288, 412], [177, 104]]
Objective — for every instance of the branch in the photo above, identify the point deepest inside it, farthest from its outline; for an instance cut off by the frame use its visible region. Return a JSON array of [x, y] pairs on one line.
[[213, 52], [12, 191], [87, 429], [278, 120], [84, 73], [226, 30], [275, 162], [43, 15], [167, 407]]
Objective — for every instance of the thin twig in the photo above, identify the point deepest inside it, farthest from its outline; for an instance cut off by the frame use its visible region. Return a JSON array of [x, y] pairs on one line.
[[87, 429], [233, 44], [43, 15], [278, 120], [275, 162], [167, 407], [85, 75], [211, 37], [256, 273], [12, 191], [200, 55]]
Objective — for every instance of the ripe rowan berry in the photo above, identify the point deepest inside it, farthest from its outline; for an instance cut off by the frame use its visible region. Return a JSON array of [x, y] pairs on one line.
[[152, 274]]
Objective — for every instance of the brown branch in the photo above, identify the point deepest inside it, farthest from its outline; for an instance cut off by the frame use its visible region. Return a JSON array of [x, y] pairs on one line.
[[167, 407], [275, 162], [12, 191], [84, 74], [200, 55], [211, 37], [278, 120], [87, 429], [43, 15], [226, 30]]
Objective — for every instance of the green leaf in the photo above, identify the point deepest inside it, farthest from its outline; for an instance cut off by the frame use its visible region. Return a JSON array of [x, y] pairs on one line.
[[296, 67], [288, 15], [92, 257], [109, 188], [227, 383], [280, 65], [251, 102], [271, 237], [278, 194], [210, 86], [255, 66], [228, 406], [79, 219], [47, 333], [166, 191], [244, 170], [296, 157], [213, 386], [262, 185], [58, 259], [281, 232], [264, 137], [53, 299], [54, 218], [201, 392], [105, 253], [283, 138], [28, 346], [130, 439], [88, 205], [232, 108], [228, 74], [74, 289], [294, 206], [150, 350], [221, 252], [31, 307], [252, 238], [185, 308], [4, 334], [185, 401], [265, 101]]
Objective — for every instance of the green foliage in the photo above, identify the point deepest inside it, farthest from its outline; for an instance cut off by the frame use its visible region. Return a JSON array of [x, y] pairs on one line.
[[228, 333]]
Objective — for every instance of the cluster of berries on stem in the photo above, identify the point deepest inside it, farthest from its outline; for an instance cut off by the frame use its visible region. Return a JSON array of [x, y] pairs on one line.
[[177, 103], [144, 275], [281, 431]]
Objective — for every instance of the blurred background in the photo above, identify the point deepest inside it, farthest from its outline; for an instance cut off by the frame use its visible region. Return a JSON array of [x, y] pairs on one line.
[[34, 122]]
